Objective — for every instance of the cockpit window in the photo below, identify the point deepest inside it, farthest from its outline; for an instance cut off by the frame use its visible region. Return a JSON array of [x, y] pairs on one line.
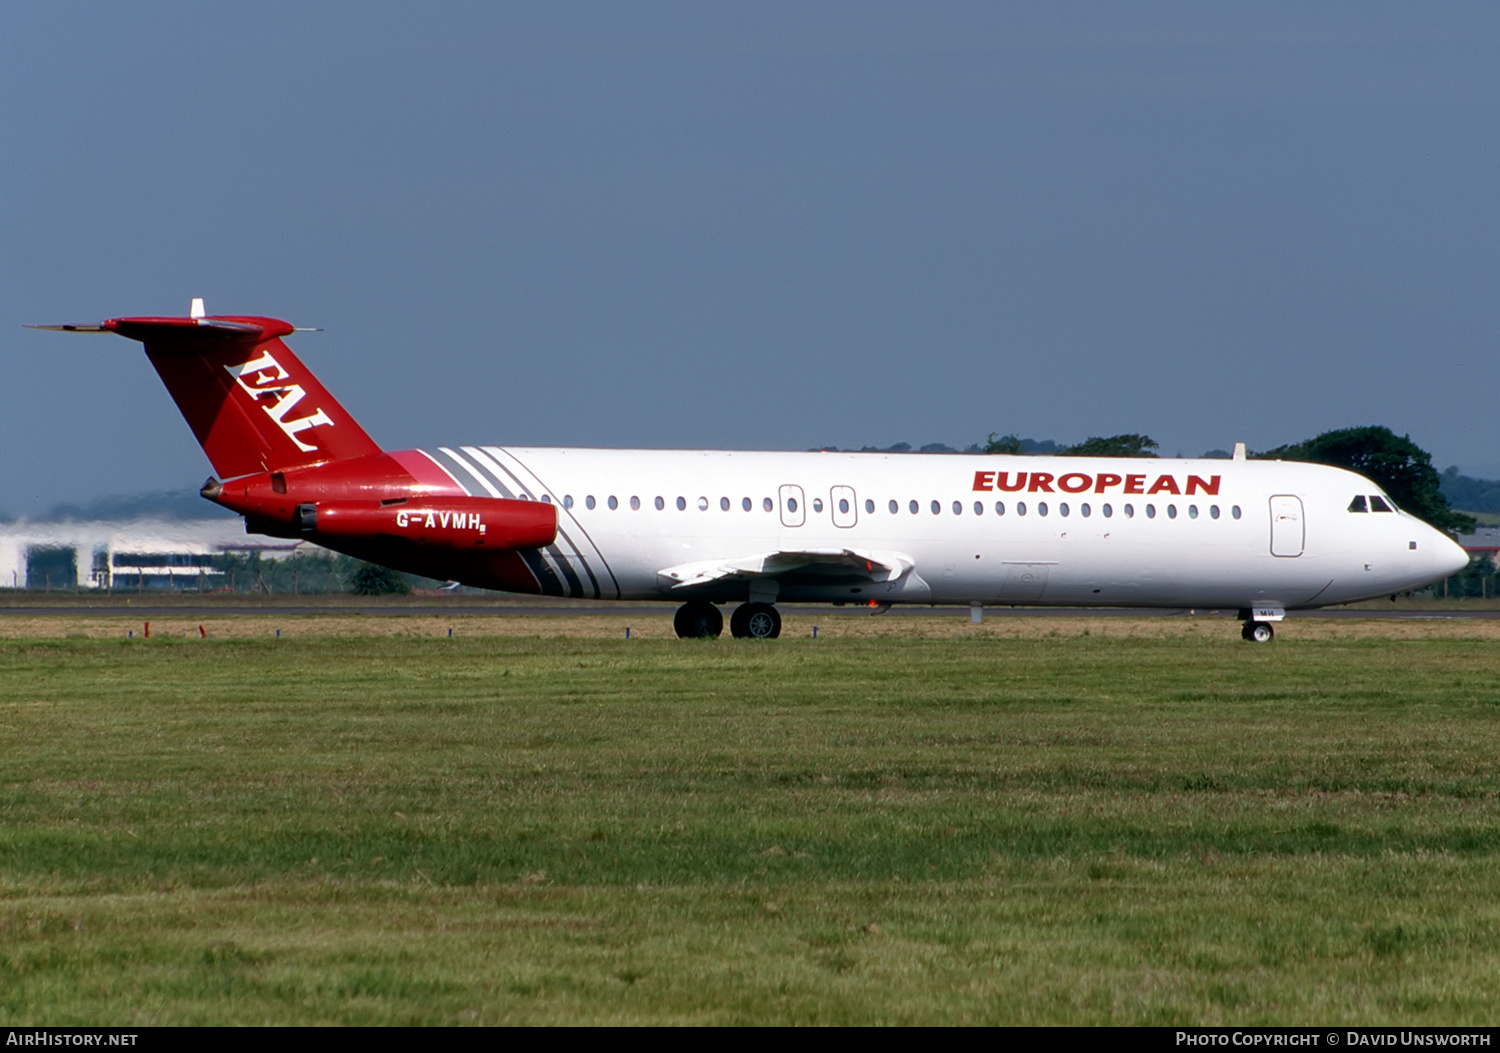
[[1378, 504], [1358, 504]]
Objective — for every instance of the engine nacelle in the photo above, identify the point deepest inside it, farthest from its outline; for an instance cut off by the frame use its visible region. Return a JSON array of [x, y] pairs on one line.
[[452, 523]]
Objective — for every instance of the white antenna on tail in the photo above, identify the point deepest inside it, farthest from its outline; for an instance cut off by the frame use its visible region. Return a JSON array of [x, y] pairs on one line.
[[197, 311]]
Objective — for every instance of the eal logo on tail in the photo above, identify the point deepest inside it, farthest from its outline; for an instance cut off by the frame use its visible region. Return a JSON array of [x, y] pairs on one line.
[[261, 378]]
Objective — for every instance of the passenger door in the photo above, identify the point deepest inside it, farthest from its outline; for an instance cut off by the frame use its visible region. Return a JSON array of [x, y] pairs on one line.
[[1288, 532]]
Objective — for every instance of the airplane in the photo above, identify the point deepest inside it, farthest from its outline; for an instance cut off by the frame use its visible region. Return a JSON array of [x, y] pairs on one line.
[[710, 527]]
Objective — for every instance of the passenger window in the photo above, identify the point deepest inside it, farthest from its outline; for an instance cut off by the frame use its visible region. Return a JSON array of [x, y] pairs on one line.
[[1235, 511], [1358, 504], [1213, 510], [747, 504], [937, 509], [766, 504], [703, 504], [913, 507], [817, 504], [843, 506], [979, 508], [1041, 508], [894, 507], [1109, 510], [1085, 509], [613, 502], [635, 504], [1192, 511], [999, 508], [1020, 508], [723, 504], [791, 504], [1130, 511], [682, 504], [546, 499], [869, 505], [1171, 511], [1377, 504], [660, 504], [588, 502], [958, 508], [1150, 511], [1062, 508], [567, 500]]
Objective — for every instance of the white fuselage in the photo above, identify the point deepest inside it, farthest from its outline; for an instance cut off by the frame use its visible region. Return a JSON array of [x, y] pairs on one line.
[[962, 528]]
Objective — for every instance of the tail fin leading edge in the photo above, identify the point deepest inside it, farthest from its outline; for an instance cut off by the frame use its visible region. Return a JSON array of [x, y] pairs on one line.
[[251, 403]]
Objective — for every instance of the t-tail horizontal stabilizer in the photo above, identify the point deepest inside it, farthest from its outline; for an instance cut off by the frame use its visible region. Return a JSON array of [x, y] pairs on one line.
[[253, 406]]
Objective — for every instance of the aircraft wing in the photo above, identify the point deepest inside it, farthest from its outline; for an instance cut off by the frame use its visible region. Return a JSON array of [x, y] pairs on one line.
[[876, 564]]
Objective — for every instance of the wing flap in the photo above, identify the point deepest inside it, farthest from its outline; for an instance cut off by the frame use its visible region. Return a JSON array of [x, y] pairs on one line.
[[876, 564]]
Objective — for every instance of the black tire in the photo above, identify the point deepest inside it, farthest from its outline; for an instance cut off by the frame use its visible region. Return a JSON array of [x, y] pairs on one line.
[[1258, 632], [737, 619], [698, 619], [755, 621]]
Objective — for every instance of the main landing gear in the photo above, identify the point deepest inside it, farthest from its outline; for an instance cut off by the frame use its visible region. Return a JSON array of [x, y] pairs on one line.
[[698, 618], [754, 621]]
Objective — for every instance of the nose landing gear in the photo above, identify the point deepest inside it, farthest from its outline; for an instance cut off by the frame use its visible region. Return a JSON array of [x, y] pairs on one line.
[[1257, 628], [1258, 632]]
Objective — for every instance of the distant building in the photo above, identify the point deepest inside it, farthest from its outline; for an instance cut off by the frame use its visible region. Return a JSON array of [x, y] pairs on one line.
[[134, 554], [1484, 543]]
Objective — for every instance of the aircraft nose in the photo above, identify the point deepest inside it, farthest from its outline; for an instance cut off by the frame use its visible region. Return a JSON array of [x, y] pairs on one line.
[[1448, 555]]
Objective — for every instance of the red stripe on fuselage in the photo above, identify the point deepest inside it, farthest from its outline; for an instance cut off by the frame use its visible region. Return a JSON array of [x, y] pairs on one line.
[[429, 473]]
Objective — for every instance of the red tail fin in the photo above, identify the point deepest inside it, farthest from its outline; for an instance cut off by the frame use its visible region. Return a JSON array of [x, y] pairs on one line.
[[251, 403]]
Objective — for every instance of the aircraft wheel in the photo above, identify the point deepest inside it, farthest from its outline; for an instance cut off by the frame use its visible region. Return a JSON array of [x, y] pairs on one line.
[[1258, 632], [755, 621], [698, 619]]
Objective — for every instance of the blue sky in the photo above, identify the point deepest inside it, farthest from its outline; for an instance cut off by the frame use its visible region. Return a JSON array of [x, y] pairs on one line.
[[757, 225]]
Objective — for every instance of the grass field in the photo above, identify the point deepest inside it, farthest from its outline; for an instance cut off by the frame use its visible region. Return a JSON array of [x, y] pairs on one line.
[[904, 821]]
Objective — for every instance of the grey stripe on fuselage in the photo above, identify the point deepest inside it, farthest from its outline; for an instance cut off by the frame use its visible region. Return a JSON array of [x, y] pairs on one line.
[[553, 553], [471, 471], [546, 577], [505, 461], [516, 468], [494, 478], [560, 561], [582, 562], [444, 469], [486, 462]]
